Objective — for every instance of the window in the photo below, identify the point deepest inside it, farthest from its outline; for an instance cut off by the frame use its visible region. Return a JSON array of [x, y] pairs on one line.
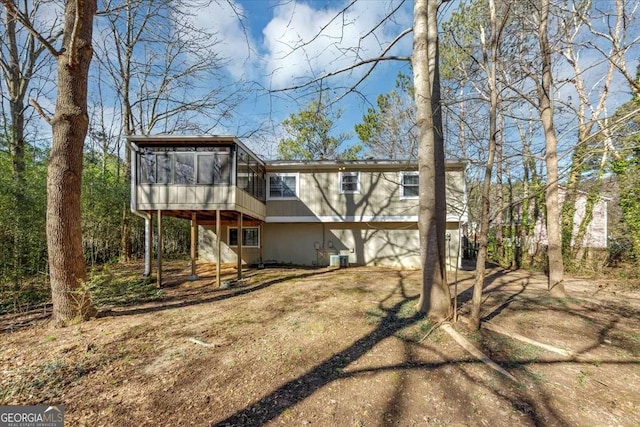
[[184, 168], [250, 174], [283, 186], [164, 168], [187, 166], [349, 182], [409, 188], [148, 168], [213, 168], [250, 237]]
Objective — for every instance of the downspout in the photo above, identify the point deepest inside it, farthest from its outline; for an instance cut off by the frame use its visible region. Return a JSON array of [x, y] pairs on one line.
[[148, 218]]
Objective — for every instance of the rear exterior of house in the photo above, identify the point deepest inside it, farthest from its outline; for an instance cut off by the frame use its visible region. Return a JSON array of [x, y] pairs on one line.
[[289, 212]]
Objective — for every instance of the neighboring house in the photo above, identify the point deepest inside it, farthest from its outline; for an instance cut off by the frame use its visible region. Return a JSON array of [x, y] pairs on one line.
[[289, 212], [595, 236]]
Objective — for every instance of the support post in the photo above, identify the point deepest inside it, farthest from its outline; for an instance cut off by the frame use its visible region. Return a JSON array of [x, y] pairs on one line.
[[239, 257], [159, 275], [148, 243], [194, 247], [218, 248], [260, 239]]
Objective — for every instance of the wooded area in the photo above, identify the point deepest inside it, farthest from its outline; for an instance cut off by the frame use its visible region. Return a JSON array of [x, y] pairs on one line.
[[499, 59]]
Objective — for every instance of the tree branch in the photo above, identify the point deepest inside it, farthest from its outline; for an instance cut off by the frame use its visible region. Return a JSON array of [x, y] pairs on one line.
[[375, 62], [39, 109], [342, 70], [73, 54], [11, 9]]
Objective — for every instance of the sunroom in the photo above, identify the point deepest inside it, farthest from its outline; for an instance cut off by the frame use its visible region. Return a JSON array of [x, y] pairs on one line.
[[209, 180]]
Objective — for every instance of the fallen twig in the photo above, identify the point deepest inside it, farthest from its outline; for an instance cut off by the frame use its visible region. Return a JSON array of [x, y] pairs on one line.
[[495, 328], [199, 342], [464, 343], [434, 327]]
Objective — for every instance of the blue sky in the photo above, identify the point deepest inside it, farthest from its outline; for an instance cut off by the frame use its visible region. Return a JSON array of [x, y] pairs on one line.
[[277, 45]]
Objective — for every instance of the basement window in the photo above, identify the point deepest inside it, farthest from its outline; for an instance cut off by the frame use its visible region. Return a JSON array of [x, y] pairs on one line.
[[250, 237]]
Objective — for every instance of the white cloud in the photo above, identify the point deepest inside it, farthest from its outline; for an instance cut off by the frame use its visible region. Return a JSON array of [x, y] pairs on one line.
[[235, 42], [297, 46]]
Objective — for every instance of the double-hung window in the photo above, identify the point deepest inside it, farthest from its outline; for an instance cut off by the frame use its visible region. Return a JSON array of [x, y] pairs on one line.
[[409, 188], [283, 186], [349, 182], [250, 237]]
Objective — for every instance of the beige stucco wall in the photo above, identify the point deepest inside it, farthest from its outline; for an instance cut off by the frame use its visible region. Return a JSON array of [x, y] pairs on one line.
[[207, 249], [385, 244], [312, 244]]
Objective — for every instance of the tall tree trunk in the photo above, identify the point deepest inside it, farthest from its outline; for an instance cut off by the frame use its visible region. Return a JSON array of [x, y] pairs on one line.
[[15, 86], [499, 218], [126, 248], [554, 250], [490, 55], [16, 141], [435, 298], [70, 123]]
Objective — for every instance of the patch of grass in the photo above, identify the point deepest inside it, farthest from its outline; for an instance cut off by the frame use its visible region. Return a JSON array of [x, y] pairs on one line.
[[526, 351], [407, 310], [582, 376], [418, 331], [634, 336], [514, 349], [375, 315], [357, 291], [40, 383], [552, 302], [536, 377], [107, 289]]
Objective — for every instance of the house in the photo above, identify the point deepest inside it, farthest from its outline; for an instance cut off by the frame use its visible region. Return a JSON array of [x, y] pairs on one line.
[[361, 212], [595, 235]]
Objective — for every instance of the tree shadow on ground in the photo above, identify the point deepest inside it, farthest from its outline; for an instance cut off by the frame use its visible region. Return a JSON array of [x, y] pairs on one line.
[[298, 389], [466, 295], [180, 301], [535, 408]]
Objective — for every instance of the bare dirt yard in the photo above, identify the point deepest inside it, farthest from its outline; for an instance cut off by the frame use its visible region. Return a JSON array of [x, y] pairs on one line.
[[329, 347]]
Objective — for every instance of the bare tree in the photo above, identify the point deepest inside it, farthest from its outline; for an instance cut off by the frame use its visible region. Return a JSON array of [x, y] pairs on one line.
[[160, 68], [544, 86], [389, 131], [69, 123], [490, 51], [20, 61], [23, 66], [593, 126]]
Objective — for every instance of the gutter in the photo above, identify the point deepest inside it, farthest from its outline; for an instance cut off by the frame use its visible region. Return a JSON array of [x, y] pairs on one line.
[[148, 219]]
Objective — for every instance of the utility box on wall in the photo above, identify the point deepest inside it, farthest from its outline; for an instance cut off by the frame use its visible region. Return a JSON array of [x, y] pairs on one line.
[[340, 261]]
